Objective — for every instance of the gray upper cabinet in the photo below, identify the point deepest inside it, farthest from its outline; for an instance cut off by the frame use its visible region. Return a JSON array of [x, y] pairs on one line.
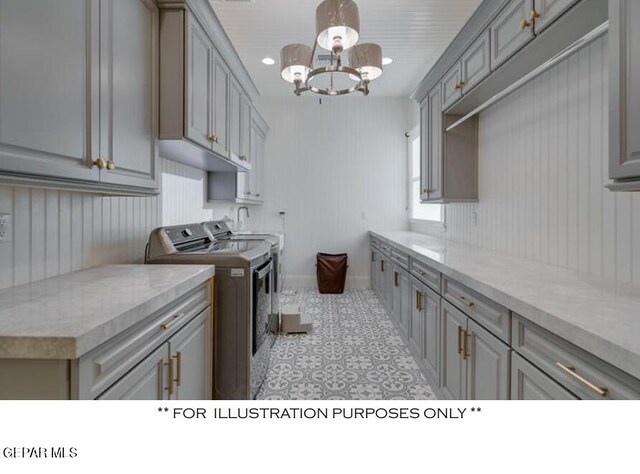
[[546, 11], [451, 86], [235, 97], [624, 97], [199, 85], [511, 30], [220, 129], [434, 145], [78, 94], [129, 48], [475, 63], [49, 123], [424, 159]]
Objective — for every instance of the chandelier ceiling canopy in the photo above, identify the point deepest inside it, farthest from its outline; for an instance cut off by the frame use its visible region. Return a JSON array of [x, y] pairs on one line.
[[337, 31]]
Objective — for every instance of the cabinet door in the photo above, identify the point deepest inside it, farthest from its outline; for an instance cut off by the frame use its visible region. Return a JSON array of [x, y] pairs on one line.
[[451, 88], [416, 327], [434, 144], [431, 332], [511, 30], [487, 365], [396, 295], [49, 84], [245, 129], [258, 163], [404, 317], [475, 62], [199, 117], [453, 367], [220, 106], [624, 83], [373, 279], [529, 383], [424, 155], [190, 356], [549, 10], [235, 96], [129, 48], [146, 381]]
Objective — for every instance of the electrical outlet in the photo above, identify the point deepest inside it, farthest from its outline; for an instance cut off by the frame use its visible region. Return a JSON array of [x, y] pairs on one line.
[[5, 227]]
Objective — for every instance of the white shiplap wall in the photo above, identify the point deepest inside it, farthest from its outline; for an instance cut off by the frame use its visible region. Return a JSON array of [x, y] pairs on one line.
[[326, 165], [55, 232], [543, 166]]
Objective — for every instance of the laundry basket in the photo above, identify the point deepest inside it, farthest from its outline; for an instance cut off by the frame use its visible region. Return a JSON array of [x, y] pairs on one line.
[[331, 272]]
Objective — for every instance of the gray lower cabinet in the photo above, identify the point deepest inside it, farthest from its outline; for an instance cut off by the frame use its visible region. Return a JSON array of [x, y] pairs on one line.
[[511, 30], [546, 11], [624, 96], [424, 328], [145, 382], [401, 298], [78, 94], [529, 383], [475, 364]]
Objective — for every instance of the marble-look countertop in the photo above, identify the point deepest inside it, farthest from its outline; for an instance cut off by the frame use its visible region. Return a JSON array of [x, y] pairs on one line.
[[67, 316], [598, 315]]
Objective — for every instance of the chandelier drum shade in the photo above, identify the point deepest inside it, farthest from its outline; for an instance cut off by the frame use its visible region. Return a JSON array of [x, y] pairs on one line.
[[337, 31]]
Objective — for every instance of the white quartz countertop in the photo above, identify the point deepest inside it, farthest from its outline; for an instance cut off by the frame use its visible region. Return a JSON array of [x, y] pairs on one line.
[[600, 316], [67, 316]]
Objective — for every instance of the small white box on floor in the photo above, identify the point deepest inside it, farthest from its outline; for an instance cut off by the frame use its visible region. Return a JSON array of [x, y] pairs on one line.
[[292, 320]]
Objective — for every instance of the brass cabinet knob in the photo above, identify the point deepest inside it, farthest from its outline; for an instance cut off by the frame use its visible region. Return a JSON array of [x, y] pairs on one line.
[[248, 193], [426, 191], [258, 195], [459, 85], [533, 15], [111, 165], [524, 24], [212, 138], [100, 163]]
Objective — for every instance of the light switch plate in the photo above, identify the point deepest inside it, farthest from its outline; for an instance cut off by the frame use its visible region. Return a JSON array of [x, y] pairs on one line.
[[5, 227]]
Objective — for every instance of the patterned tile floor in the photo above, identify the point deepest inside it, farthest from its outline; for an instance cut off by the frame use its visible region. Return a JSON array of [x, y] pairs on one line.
[[353, 353]]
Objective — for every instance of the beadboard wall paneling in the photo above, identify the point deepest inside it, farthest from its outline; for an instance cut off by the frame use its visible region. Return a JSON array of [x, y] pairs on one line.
[[326, 165], [543, 161], [55, 232]]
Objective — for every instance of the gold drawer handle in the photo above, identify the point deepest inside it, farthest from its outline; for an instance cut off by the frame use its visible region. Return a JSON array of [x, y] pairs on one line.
[[395, 279], [465, 346], [602, 391], [418, 300], [466, 301], [460, 331], [173, 320]]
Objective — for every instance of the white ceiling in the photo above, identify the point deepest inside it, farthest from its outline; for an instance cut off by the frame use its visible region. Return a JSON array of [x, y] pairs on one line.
[[412, 32]]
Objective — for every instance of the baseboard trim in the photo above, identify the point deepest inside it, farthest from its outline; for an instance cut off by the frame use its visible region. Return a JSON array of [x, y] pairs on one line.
[[307, 281]]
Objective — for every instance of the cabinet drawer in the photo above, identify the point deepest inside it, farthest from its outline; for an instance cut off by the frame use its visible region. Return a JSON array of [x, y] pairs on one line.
[[400, 259], [375, 243], [385, 249], [426, 274], [451, 87], [491, 315], [511, 30], [529, 383], [575, 369], [474, 64], [102, 367]]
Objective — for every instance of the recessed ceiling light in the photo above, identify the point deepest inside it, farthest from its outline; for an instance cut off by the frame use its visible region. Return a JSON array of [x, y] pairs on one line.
[[268, 61], [386, 61]]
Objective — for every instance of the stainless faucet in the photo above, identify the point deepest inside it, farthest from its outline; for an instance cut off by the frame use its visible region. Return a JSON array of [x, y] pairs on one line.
[[241, 208]]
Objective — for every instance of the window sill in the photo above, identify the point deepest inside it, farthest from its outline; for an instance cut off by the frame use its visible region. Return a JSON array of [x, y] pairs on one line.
[[427, 227]]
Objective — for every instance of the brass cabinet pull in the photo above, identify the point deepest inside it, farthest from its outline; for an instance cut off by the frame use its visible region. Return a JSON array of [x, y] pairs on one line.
[[460, 331], [466, 301], [533, 15], [395, 278], [459, 85], [173, 320], [111, 165], [524, 24], [100, 163], [373, 257], [381, 265], [169, 388], [418, 300], [178, 358], [212, 138], [258, 195], [602, 391], [465, 346]]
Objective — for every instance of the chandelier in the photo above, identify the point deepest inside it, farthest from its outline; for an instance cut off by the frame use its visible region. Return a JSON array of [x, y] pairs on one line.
[[337, 31]]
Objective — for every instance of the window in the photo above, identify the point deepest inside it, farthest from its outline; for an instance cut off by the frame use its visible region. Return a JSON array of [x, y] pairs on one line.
[[429, 213]]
